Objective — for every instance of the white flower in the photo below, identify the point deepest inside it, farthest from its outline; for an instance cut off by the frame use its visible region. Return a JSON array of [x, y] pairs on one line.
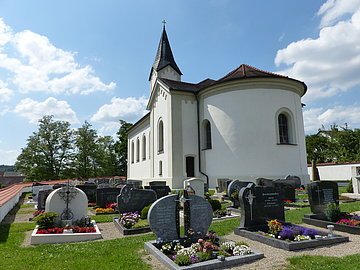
[[302, 237], [186, 251], [241, 250], [228, 245]]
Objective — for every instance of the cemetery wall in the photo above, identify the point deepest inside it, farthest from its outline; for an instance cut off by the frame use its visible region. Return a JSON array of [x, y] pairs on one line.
[[6, 207], [335, 171], [244, 133]]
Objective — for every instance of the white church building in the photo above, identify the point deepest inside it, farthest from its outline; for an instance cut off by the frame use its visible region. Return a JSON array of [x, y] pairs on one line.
[[245, 125]]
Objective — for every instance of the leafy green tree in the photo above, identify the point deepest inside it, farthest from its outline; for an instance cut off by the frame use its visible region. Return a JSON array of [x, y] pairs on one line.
[[49, 151], [106, 156], [121, 147], [86, 164]]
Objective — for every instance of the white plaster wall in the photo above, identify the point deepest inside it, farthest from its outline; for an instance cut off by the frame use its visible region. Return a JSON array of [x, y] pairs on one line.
[[139, 169], [336, 172], [244, 136], [166, 73], [162, 109], [6, 207]]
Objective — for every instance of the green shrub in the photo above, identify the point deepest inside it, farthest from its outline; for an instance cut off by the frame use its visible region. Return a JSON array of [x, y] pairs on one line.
[[46, 220], [332, 212], [215, 204], [349, 188], [204, 256], [145, 211], [182, 260]]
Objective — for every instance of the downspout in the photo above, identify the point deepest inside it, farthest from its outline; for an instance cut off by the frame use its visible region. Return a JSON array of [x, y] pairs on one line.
[[199, 149]]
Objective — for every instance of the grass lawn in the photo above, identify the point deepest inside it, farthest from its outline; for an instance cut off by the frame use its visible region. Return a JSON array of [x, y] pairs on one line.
[[324, 263]]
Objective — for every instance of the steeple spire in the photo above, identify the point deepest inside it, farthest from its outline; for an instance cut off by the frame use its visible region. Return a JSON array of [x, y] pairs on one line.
[[164, 56]]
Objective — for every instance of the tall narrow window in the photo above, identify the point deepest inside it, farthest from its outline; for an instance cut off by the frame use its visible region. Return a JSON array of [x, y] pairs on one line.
[[207, 134], [161, 137], [150, 140], [144, 147], [132, 151], [160, 168], [137, 150], [283, 129]]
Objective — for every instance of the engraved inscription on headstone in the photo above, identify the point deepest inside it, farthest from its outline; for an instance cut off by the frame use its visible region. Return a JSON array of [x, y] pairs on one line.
[[131, 200], [260, 204], [321, 194]]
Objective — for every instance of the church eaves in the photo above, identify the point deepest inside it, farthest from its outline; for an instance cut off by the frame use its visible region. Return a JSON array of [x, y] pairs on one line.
[[164, 56]]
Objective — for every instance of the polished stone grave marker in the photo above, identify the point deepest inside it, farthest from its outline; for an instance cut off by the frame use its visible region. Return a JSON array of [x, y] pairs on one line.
[[106, 195], [321, 194], [132, 200], [234, 187]]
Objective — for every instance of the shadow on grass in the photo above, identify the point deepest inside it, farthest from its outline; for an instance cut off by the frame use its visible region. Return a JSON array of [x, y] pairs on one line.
[[9, 219]]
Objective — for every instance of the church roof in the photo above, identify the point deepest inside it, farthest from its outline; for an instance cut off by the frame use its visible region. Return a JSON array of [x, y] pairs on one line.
[[242, 72], [246, 71], [164, 56]]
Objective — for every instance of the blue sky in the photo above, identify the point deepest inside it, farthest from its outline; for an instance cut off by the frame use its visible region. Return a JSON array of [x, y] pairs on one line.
[[90, 60]]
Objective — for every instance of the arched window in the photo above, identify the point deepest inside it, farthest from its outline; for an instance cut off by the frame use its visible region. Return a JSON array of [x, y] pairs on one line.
[[207, 134], [143, 147], [137, 150], [132, 151], [160, 137], [150, 140], [160, 168], [283, 123]]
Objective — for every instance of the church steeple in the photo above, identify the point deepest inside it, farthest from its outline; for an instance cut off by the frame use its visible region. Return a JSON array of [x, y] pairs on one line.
[[164, 57]]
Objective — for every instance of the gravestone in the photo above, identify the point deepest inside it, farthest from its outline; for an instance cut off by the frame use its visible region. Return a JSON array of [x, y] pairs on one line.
[[135, 183], [42, 196], [233, 191], [90, 191], [132, 200], [157, 183], [197, 185], [164, 217], [321, 194], [286, 186], [106, 195], [69, 202], [104, 185], [222, 184], [37, 188], [161, 191], [260, 204]]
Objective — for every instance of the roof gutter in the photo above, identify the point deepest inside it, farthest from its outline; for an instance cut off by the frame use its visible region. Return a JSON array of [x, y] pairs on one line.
[[199, 149]]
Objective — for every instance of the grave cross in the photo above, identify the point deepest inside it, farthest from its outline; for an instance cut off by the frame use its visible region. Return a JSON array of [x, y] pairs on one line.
[[250, 198], [67, 193]]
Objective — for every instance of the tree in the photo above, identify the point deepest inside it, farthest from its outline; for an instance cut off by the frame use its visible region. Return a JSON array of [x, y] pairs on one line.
[[49, 151], [106, 156], [86, 151], [121, 147]]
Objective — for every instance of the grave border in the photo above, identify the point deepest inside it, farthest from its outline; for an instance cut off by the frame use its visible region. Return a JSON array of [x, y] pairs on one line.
[[291, 246], [132, 231], [312, 220], [37, 239], [208, 265]]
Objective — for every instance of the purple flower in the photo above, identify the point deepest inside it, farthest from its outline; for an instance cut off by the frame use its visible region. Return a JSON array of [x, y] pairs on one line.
[[287, 233], [194, 258], [310, 232]]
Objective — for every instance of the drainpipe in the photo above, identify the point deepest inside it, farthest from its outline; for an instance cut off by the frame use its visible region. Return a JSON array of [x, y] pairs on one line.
[[199, 147]]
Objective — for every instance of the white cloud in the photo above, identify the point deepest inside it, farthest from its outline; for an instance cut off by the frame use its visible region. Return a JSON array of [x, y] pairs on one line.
[[5, 93], [129, 109], [37, 65], [333, 10], [35, 110], [318, 117], [330, 63], [8, 157]]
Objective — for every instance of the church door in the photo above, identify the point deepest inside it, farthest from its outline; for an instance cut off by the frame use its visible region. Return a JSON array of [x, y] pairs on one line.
[[190, 166]]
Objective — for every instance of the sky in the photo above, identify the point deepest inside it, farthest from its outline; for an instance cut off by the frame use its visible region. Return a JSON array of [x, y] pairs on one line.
[[90, 60]]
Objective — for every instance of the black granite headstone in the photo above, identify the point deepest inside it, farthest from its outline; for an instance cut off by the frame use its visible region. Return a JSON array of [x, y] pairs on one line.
[[90, 191], [161, 191], [260, 204], [43, 194], [321, 194], [132, 200], [222, 184], [106, 195], [157, 183], [135, 183]]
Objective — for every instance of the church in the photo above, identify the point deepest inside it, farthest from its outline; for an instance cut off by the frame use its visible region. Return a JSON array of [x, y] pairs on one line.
[[245, 125]]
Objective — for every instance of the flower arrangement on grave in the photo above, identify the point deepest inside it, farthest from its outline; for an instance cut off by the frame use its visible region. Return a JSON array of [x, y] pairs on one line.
[[289, 232], [333, 214], [104, 210], [128, 220], [203, 249]]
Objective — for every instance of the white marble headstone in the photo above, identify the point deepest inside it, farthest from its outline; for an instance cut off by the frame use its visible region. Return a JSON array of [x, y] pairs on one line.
[[56, 202], [197, 184]]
